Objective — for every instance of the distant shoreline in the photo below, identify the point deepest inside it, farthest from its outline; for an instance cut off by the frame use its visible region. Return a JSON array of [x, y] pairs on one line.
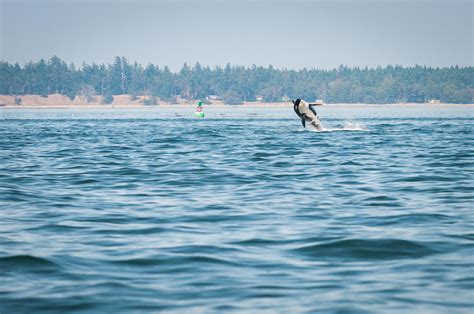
[[57, 101]]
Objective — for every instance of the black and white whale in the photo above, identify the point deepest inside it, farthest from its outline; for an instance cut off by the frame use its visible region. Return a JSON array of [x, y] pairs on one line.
[[306, 112]]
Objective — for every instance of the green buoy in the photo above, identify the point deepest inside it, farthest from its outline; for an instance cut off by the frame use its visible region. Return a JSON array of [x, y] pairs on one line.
[[199, 113]]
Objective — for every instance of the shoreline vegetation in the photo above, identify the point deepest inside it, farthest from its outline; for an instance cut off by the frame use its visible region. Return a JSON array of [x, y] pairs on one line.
[[58, 101], [122, 83]]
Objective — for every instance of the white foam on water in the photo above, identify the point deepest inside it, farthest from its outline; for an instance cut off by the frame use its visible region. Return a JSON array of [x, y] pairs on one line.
[[348, 126]]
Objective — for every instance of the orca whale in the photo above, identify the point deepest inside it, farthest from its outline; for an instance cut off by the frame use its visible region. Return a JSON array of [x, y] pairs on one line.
[[306, 112]]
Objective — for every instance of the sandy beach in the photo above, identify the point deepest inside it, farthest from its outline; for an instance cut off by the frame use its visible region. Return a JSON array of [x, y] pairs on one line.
[[124, 101]]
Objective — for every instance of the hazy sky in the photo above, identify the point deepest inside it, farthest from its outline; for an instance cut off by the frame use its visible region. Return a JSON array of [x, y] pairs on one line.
[[284, 33]]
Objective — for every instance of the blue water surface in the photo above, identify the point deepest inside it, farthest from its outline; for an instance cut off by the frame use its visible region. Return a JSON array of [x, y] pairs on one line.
[[149, 209]]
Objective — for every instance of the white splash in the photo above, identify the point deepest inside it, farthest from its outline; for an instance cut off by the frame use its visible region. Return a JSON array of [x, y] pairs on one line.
[[348, 126]]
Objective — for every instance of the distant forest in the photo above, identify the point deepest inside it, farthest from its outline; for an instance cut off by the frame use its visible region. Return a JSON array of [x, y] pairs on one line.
[[235, 84]]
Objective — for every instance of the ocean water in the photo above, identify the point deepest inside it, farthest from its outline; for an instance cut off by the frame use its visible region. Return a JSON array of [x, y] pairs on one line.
[[149, 210]]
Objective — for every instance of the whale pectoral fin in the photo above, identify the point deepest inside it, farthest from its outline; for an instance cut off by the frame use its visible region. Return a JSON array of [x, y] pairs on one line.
[[303, 122]]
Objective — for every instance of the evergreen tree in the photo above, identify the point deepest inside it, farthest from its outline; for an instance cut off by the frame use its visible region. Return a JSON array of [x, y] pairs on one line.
[[235, 84], [108, 98]]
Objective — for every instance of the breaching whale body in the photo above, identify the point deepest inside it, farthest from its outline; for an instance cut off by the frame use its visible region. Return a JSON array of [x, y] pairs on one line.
[[306, 112]]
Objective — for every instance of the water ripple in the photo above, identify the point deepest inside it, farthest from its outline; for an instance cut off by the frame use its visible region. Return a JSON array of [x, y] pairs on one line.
[[244, 211]]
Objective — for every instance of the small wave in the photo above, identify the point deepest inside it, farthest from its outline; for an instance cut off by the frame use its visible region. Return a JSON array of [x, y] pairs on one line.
[[175, 260], [350, 163], [382, 200], [138, 262], [424, 178], [411, 219], [258, 242], [203, 259], [373, 249], [25, 262]]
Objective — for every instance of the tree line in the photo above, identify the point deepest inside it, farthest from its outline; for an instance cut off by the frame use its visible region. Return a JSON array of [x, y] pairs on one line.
[[235, 84]]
